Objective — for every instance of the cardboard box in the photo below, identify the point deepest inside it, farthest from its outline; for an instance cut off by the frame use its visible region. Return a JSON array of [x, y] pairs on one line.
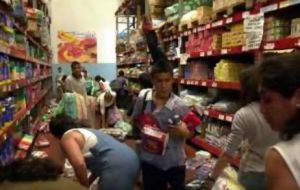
[[154, 141], [204, 11], [218, 5]]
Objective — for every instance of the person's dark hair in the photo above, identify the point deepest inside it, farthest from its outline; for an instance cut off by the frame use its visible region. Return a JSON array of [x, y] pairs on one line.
[[64, 77], [145, 80], [31, 169], [98, 78], [74, 64], [282, 74], [62, 123], [161, 67], [121, 73], [249, 85]]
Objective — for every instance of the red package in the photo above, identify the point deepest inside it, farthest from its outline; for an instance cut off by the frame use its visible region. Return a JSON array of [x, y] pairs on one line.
[[192, 120], [146, 119], [154, 141]]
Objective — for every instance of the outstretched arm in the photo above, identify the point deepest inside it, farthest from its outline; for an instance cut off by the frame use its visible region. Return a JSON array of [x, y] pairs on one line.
[[152, 42], [72, 149]]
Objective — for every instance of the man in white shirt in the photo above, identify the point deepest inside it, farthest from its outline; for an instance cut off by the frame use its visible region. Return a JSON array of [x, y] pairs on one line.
[[76, 82]]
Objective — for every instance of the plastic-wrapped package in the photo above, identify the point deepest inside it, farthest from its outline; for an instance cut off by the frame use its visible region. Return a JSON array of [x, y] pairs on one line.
[[228, 180], [73, 105], [226, 106]]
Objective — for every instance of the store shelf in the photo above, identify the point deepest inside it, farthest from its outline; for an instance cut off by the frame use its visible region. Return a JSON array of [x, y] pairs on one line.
[[37, 61], [44, 93], [237, 17], [218, 115], [281, 4], [201, 143], [225, 51], [20, 116], [21, 54], [131, 64], [15, 85], [211, 83], [18, 27], [282, 44]]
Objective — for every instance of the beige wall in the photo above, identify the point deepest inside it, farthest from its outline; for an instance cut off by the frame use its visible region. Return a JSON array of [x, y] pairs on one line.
[[86, 16]]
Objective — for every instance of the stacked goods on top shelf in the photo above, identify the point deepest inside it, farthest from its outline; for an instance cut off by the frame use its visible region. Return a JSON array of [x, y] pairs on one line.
[[157, 8], [198, 12], [235, 37], [133, 52]]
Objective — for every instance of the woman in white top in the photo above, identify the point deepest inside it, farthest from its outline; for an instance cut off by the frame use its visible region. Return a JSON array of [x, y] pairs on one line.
[[248, 124], [113, 162], [280, 104]]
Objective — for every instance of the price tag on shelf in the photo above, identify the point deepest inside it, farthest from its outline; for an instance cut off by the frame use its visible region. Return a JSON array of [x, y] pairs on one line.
[[192, 82], [197, 83], [229, 20], [229, 118], [185, 33], [224, 51], [244, 48], [175, 37], [218, 23], [9, 87], [203, 83], [269, 46], [207, 26], [202, 54], [246, 14], [269, 8], [298, 43], [182, 81], [285, 4], [209, 53], [194, 30], [183, 58], [188, 82], [206, 112], [221, 117], [17, 86], [214, 84], [189, 32]]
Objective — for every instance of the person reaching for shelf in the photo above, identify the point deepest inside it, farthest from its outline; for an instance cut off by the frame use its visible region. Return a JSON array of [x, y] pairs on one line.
[[163, 159], [248, 124]]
